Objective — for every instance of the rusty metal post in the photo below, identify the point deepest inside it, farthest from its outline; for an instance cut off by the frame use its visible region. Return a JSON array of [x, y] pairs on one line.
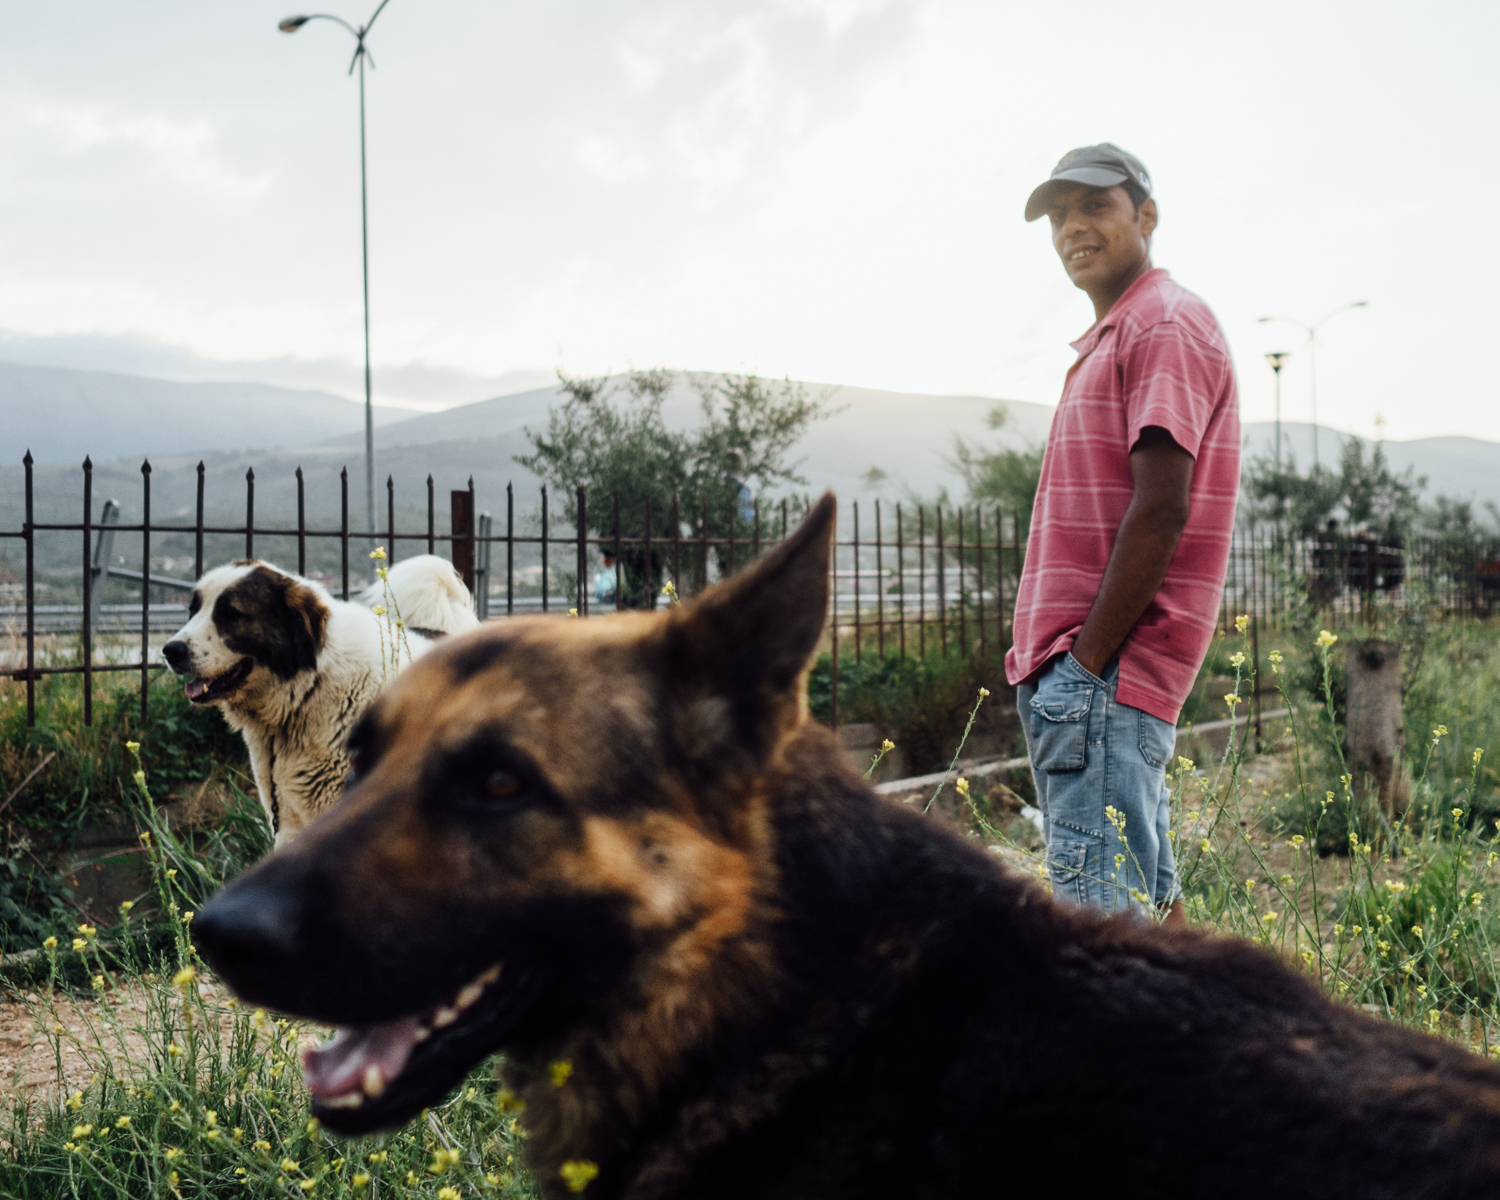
[[461, 508]]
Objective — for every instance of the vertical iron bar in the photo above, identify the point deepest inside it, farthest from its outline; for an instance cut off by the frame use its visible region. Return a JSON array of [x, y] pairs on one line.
[[922, 582], [703, 541], [650, 582], [755, 533], [344, 527], [1015, 528], [676, 547], [301, 524], [858, 632], [734, 515], [942, 584], [198, 529], [619, 571], [431, 519], [390, 520], [583, 553], [88, 591], [250, 513], [963, 616], [833, 600], [979, 573], [879, 585], [999, 580], [145, 583], [544, 548], [510, 550], [783, 520], [30, 600], [901, 579]]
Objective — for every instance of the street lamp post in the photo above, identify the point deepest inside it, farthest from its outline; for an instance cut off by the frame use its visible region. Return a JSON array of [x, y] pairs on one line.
[[1312, 349], [1277, 359], [361, 52]]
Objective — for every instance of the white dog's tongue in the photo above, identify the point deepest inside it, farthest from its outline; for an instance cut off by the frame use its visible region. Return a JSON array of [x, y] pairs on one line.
[[195, 687], [362, 1058]]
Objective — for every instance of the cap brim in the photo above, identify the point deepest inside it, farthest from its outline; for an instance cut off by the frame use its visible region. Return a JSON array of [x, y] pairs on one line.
[[1036, 206]]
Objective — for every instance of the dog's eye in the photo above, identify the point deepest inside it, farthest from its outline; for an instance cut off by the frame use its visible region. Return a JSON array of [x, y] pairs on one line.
[[501, 784]]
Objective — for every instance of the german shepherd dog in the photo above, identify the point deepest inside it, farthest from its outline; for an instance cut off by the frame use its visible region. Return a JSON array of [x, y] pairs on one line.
[[623, 844]]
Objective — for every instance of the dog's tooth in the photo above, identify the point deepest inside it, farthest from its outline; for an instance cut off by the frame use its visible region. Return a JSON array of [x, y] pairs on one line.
[[422, 1034], [347, 1100], [444, 1016], [374, 1081], [470, 993]]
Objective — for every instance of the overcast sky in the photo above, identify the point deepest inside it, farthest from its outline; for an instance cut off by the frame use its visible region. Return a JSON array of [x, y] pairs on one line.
[[826, 189]]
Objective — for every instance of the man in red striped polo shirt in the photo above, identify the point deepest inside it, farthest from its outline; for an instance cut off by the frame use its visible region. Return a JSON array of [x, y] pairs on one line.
[[1129, 542]]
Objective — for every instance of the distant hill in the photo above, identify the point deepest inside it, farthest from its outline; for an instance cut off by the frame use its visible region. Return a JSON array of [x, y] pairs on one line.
[[62, 415], [119, 419]]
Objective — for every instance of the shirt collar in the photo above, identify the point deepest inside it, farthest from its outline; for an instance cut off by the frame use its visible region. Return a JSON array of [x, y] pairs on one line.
[[1112, 318]]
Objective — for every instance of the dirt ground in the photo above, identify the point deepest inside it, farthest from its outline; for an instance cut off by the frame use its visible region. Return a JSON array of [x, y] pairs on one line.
[[40, 1031]]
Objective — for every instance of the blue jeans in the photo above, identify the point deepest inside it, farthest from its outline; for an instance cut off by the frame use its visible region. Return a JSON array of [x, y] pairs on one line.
[[1101, 782]]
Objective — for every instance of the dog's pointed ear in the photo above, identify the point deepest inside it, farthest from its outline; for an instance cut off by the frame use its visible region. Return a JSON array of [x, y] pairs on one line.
[[749, 639]]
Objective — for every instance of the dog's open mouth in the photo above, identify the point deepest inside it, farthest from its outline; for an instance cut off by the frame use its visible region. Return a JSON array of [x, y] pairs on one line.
[[204, 691], [360, 1062]]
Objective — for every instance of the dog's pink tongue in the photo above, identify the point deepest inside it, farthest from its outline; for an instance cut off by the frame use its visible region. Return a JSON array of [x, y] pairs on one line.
[[345, 1063], [195, 687]]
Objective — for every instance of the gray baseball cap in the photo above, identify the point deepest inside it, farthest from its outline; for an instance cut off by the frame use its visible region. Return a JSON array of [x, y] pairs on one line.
[[1103, 165]]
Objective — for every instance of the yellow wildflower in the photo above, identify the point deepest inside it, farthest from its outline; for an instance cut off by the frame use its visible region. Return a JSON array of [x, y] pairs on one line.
[[361, 1180], [442, 1160], [1237, 660], [50, 944], [378, 553], [1326, 639], [560, 1070], [887, 746], [578, 1173]]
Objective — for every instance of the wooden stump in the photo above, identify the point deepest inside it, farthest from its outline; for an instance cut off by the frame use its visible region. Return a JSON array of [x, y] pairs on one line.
[[1376, 734]]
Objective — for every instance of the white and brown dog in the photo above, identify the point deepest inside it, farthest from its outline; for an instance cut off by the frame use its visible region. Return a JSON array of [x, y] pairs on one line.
[[292, 668]]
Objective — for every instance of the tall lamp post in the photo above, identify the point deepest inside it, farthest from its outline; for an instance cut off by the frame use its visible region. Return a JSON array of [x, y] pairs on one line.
[[1277, 359], [361, 52], [1312, 349]]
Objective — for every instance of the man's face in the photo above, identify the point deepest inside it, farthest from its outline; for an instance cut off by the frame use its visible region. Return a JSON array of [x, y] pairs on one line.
[[1099, 235]]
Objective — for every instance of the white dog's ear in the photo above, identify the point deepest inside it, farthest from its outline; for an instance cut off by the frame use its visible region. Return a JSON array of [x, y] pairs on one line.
[[275, 619]]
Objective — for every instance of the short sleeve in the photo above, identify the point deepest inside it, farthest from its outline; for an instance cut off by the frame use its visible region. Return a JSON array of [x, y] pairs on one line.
[[1172, 379]]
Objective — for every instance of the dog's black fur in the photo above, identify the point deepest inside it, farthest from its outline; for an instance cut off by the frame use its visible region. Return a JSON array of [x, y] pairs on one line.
[[839, 998]]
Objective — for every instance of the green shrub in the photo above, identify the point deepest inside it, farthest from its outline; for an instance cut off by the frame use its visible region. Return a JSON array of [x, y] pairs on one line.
[[182, 746]]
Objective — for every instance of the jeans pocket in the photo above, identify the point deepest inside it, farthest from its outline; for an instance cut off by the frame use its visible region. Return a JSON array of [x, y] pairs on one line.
[[1061, 726], [1067, 866], [1158, 739]]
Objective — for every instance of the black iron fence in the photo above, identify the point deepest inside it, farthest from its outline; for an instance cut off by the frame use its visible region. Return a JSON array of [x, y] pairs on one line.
[[907, 580], [911, 580], [1275, 579]]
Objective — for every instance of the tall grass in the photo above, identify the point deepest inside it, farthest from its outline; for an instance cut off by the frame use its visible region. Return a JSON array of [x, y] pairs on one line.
[[167, 1088]]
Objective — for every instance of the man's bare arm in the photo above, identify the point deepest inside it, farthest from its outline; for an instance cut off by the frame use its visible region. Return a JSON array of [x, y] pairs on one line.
[[1144, 546]]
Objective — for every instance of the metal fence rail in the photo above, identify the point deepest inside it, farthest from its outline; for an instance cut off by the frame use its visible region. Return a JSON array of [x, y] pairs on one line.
[[941, 586], [905, 580]]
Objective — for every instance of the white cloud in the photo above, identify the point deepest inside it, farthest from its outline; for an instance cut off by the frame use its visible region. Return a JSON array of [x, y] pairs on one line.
[[185, 151]]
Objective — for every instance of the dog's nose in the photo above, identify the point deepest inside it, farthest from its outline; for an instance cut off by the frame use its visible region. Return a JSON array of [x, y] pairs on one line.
[[178, 656], [249, 932]]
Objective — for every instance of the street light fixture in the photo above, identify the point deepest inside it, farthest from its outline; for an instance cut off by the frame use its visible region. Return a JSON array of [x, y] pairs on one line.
[[361, 52], [1277, 359], [1312, 348]]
